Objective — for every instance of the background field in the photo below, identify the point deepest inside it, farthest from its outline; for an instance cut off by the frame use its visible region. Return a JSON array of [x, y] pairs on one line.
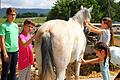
[[21, 20]]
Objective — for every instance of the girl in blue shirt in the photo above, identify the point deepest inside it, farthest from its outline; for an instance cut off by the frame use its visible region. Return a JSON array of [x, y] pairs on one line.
[[105, 54]]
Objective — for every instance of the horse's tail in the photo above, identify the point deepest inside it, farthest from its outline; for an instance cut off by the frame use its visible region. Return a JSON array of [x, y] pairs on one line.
[[47, 56]]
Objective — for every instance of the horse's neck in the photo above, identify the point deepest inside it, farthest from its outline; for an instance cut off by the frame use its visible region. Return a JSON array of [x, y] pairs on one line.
[[75, 23]]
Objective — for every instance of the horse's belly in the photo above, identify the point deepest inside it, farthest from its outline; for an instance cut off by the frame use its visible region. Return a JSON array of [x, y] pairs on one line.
[[73, 57], [63, 50], [79, 48]]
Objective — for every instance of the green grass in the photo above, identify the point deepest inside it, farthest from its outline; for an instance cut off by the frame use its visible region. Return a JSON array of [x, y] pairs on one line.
[[2, 20], [40, 19], [21, 20], [117, 37]]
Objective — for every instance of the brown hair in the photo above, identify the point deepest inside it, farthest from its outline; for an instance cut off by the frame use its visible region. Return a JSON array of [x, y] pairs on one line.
[[102, 46], [28, 21], [10, 10], [108, 21]]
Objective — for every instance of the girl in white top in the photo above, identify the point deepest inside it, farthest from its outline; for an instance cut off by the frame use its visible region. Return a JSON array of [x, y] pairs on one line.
[[102, 52], [105, 32], [106, 36]]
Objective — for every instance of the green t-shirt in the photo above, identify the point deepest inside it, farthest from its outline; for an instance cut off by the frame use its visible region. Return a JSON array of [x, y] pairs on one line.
[[10, 31]]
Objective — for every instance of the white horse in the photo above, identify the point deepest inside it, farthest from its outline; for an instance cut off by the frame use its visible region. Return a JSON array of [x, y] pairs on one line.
[[60, 42]]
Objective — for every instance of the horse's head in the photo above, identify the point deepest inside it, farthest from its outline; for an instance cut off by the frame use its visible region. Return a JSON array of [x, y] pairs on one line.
[[86, 12], [82, 15]]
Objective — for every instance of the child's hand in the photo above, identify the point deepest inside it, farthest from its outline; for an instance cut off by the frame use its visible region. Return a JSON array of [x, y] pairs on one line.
[[87, 20], [86, 23], [34, 36], [6, 58], [83, 61], [35, 31]]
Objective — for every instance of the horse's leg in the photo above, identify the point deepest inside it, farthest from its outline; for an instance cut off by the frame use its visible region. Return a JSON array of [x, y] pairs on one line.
[[60, 74], [77, 67], [69, 72], [77, 70]]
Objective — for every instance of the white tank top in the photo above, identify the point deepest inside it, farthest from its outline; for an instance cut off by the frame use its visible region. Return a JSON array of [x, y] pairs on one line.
[[105, 36]]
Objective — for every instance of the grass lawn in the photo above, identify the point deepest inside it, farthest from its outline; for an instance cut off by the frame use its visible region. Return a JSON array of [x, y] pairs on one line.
[[21, 20]]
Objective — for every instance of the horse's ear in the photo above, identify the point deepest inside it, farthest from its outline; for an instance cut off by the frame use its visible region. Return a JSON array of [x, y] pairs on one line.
[[90, 9], [81, 6]]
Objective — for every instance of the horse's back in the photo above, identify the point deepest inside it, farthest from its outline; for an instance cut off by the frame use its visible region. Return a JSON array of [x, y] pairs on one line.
[[55, 22], [63, 39]]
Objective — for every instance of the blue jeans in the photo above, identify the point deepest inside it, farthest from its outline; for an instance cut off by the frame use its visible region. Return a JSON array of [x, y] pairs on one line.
[[105, 69], [10, 66]]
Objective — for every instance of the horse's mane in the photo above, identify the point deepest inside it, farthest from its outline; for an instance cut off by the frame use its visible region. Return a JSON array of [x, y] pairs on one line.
[[81, 15]]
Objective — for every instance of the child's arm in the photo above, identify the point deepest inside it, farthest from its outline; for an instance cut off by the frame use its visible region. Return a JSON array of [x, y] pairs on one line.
[[2, 41], [26, 43], [92, 28], [91, 61]]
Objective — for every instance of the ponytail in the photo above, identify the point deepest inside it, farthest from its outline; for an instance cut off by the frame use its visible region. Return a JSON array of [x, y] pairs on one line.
[[109, 23], [112, 37]]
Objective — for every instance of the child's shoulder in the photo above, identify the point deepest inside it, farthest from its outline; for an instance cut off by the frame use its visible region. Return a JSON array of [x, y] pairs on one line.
[[4, 24], [15, 24], [21, 35]]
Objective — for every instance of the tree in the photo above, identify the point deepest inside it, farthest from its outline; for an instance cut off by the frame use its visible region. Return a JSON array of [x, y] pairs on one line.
[[107, 7], [60, 10], [64, 9], [117, 12]]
